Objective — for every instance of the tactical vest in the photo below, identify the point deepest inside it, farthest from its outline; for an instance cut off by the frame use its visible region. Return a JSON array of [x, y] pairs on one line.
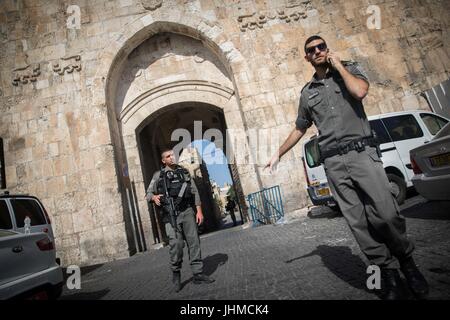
[[178, 186]]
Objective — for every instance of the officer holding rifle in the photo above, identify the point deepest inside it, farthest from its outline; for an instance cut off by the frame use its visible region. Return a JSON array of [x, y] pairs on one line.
[[173, 189]]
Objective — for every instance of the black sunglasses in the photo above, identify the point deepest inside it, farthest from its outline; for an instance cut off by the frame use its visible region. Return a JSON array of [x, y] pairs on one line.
[[321, 46]]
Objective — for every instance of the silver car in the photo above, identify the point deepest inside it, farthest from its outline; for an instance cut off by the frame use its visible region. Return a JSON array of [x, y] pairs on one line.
[[431, 165], [27, 251], [28, 266]]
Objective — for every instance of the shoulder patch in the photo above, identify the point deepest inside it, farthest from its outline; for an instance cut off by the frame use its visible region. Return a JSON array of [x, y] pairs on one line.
[[313, 95]]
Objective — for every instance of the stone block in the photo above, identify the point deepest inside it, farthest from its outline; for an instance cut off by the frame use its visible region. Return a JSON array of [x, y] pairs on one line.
[[92, 244], [53, 149], [116, 241], [83, 220], [86, 161], [56, 185]]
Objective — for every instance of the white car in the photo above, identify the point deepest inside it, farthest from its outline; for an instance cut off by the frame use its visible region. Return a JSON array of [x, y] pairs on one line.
[[431, 166], [28, 266], [27, 261], [397, 133]]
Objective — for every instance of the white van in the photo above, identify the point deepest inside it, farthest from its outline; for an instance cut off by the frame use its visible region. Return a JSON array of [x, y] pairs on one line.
[[397, 133]]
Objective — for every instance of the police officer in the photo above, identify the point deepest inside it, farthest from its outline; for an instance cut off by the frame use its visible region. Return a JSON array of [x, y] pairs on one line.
[[183, 192], [230, 206], [333, 101]]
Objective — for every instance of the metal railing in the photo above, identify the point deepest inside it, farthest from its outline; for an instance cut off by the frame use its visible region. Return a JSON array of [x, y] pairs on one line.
[[266, 206]]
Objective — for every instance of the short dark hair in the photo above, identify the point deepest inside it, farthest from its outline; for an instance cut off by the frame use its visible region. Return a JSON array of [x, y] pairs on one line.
[[164, 150], [312, 38]]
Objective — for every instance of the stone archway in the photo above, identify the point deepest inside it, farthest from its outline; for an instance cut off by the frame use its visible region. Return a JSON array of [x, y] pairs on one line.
[[157, 102], [125, 123], [195, 120]]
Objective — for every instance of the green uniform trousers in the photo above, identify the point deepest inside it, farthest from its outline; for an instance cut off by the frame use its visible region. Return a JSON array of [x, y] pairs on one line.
[[361, 188], [187, 230]]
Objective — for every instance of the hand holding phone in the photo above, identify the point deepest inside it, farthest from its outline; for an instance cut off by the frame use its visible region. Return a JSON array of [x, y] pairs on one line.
[[330, 61], [333, 59]]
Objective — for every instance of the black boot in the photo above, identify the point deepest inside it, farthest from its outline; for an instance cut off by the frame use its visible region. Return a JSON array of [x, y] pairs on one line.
[[177, 281], [415, 279], [201, 278], [391, 285]]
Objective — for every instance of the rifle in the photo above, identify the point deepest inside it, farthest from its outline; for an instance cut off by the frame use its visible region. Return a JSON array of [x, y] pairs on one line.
[[170, 206]]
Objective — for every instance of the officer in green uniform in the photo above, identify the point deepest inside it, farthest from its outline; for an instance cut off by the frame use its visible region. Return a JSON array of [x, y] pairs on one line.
[[349, 153], [181, 188]]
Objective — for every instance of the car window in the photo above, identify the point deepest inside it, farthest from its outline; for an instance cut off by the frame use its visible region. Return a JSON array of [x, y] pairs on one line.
[[445, 131], [312, 153], [5, 218], [433, 122], [380, 131], [27, 207], [4, 233], [403, 127]]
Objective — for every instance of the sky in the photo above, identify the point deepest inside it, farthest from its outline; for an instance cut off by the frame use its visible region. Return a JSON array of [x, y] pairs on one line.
[[209, 153]]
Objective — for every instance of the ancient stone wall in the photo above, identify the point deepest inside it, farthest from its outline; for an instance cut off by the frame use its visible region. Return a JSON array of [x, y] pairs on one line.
[[61, 133]]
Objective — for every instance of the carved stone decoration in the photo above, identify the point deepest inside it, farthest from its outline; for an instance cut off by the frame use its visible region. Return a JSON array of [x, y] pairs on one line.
[[257, 20], [23, 75], [73, 63], [151, 5]]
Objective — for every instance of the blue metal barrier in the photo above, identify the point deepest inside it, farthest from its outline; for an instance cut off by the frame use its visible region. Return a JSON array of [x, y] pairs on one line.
[[266, 206]]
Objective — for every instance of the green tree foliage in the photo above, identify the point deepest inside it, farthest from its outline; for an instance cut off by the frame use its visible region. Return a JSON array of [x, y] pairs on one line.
[[232, 194]]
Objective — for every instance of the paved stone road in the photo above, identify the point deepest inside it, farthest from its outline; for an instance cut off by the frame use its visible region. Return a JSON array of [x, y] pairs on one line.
[[312, 257]]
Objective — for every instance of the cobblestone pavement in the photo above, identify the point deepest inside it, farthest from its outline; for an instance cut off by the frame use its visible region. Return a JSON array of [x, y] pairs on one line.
[[311, 257]]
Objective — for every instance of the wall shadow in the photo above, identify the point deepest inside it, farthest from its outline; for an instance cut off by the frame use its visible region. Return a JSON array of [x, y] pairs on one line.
[[83, 270], [435, 210], [342, 263], [324, 212]]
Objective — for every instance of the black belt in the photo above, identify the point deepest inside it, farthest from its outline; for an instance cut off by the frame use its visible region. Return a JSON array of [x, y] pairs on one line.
[[357, 145]]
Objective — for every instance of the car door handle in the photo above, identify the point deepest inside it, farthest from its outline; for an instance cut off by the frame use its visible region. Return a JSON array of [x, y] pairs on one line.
[[17, 249]]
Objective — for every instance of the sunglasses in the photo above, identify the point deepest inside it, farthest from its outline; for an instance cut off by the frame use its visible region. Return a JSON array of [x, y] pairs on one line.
[[321, 46]]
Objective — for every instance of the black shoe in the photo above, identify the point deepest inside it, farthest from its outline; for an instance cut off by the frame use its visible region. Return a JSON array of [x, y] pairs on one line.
[[391, 286], [201, 278], [415, 278], [176, 279]]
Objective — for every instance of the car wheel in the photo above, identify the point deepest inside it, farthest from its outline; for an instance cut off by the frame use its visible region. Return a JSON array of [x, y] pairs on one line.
[[398, 187]]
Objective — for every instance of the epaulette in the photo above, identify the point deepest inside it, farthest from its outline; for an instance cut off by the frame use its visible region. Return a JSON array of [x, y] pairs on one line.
[[305, 86], [348, 62]]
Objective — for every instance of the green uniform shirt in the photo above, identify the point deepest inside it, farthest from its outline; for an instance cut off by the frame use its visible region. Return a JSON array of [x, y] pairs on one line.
[[338, 116]]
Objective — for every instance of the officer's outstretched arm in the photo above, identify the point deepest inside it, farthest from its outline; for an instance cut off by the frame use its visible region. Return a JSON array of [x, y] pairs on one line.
[[287, 145]]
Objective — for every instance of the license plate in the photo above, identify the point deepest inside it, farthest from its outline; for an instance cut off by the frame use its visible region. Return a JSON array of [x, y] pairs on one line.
[[440, 160], [323, 191]]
